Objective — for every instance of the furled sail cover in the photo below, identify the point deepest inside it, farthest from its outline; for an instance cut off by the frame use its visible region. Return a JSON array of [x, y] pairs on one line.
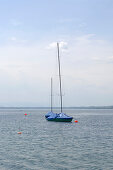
[[63, 115], [52, 116], [48, 114]]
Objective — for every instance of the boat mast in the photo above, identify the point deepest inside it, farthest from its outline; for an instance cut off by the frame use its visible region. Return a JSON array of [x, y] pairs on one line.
[[51, 94], [60, 83]]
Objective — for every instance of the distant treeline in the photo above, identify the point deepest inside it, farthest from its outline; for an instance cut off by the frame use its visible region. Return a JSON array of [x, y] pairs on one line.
[[80, 107], [92, 107]]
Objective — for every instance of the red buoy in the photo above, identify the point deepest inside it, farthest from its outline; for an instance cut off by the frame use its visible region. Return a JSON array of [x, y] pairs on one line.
[[25, 114], [19, 132], [76, 121]]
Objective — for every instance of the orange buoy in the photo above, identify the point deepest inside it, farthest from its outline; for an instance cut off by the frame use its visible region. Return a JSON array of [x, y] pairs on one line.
[[76, 121], [19, 132]]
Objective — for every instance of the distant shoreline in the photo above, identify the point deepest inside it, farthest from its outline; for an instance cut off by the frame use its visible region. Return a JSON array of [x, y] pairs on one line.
[[79, 107]]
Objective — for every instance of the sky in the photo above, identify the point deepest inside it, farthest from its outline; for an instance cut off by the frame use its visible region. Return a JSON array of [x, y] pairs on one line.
[[29, 31]]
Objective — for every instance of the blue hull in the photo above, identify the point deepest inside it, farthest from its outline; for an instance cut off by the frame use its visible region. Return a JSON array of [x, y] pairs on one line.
[[61, 117]]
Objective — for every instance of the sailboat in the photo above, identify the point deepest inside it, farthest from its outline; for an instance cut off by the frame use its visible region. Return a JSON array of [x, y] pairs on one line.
[[51, 112], [61, 117]]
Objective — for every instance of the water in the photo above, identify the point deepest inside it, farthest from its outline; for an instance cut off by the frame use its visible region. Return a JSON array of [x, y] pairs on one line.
[[45, 145]]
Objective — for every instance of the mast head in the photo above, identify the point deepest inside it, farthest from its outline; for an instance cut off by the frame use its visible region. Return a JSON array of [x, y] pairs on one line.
[[58, 44]]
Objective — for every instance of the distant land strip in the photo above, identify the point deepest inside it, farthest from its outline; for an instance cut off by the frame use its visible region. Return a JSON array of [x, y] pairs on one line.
[[78, 107]]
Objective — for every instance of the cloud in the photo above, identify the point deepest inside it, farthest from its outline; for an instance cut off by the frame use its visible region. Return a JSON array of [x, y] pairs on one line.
[[52, 45], [62, 45], [16, 40], [83, 24], [89, 48], [110, 58], [67, 20], [103, 59], [15, 22], [85, 39], [13, 39]]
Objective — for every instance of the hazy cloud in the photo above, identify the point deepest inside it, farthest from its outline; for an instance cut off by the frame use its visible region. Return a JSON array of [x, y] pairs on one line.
[[15, 22], [62, 45]]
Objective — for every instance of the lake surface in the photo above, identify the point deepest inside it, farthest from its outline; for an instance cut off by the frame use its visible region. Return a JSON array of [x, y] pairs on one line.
[[45, 145]]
